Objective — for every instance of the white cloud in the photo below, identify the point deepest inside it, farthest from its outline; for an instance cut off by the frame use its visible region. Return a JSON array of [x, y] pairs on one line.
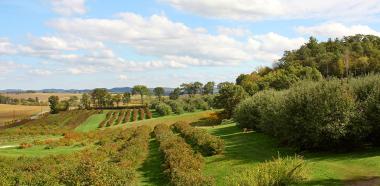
[[123, 77], [9, 66], [173, 43], [238, 32], [6, 47], [68, 7], [40, 72], [279, 9], [336, 30]]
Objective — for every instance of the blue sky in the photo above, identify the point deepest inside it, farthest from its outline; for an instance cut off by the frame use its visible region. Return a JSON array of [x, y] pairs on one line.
[[93, 43]]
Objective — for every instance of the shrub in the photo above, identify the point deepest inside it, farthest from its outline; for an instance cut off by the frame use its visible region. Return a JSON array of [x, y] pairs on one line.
[[263, 111], [317, 115], [371, 109], [163, 109], [142, 114], [201, 139], [135, 115], [148, 113], [120, 117], [182, 166], [281, 171], [176, 106], [25, 145]]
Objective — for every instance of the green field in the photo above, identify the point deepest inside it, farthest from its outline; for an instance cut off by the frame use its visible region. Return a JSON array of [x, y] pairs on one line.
[[244, 150], [37, 151]]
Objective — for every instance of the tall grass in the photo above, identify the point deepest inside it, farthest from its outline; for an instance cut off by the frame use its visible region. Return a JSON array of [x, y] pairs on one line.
[[278, 172]]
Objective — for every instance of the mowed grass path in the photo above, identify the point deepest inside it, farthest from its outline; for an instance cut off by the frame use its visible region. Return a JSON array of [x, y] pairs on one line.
[[38, 151], [92, 123], [247, 149]]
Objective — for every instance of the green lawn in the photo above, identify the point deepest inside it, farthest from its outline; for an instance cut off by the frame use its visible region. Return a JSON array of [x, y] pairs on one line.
[[92, 123], [38, 151], [247, 149]]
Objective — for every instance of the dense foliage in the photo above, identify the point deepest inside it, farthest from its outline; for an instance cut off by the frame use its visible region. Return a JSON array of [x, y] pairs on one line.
[[182, 165], [330, 114], [280, 171], [206, 143]]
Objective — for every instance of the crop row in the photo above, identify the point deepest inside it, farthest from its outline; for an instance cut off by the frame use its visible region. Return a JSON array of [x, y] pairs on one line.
[[182, 165], [124, 116], [200, 139]]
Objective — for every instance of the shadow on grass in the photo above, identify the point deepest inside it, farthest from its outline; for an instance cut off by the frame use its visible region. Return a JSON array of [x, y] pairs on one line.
[[152, 171], [249, 147], [324, 182]]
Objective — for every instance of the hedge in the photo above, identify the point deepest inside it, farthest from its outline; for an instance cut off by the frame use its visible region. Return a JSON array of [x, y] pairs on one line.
[[182, 165], [203, 141]]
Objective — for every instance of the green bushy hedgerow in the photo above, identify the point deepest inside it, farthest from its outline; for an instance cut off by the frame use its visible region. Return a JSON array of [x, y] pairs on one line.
[[208, 144], [182, 165]]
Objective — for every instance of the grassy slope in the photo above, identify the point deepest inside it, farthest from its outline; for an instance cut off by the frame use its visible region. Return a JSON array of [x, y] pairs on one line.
[[37, 151], [92, 123], [246, 150]]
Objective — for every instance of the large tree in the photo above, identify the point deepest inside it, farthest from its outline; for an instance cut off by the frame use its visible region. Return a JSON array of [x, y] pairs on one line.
[[141, 90], [208, 88], [85, 101], [175, 94], [117, 99], [229, 97], [126, 97], [98, 97], [159, 92]]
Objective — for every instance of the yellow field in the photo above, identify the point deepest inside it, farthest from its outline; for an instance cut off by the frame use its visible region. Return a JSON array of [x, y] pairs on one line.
[[41, 96], [10, 112]]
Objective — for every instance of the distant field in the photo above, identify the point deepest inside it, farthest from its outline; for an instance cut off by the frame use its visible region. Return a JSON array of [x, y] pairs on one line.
[[9, 112], [41, 96]]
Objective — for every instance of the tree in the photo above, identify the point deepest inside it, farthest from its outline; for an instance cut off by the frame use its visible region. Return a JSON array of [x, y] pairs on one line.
[[108, 100], [159, 92], [85, 101], [117, 99], [53, 103], [229, 97], [208, 88], [73, 100], [187, 88], [197, 87], [175, 94], [98, 97], [141, 90], [126, 97]]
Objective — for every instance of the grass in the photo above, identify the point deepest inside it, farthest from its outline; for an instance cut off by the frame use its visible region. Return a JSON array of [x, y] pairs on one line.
[[246, 150], [92, 123], [16, 140], [10, 112], [38, 151], [151, 172]]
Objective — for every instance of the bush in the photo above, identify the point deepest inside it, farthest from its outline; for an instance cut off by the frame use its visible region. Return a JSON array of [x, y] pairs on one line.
[[371, 116], [163, 109], [206, 143], [182, 166], [281, 171], [263, 111], [148, 113], [127, 116], [25, 145], [142, 114], [135, 115], [176, 106]]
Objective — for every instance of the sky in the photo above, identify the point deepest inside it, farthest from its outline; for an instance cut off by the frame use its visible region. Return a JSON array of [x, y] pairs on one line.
[[92, 43]]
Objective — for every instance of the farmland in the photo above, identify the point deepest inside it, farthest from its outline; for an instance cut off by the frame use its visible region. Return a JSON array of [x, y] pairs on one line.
[[11, 112]]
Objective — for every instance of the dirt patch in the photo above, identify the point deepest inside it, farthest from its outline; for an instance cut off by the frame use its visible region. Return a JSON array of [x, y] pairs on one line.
[[374, 181]]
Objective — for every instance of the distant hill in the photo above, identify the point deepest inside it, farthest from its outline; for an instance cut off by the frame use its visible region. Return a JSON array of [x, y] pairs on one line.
[[113, 90]]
